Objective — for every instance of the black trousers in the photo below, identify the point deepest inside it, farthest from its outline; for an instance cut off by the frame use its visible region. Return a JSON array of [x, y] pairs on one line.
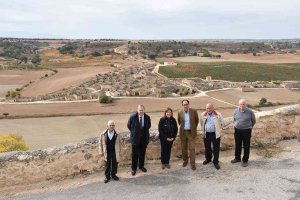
[[111, 166], [208, 140], [165, 153], [242, 137], [138, 155]]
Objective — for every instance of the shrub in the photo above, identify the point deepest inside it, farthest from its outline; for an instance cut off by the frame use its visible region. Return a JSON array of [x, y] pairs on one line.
[[36, 59], [262, 101], [69, 48], [103, 98], [12, 94], [12, 142]]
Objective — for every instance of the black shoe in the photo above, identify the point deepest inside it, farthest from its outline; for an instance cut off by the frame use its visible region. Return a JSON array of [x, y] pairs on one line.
[[217, 166], [235, 161], [115, 178], [245, 164], [133, 172], [205, 162], [184, 164], [143, 169], [106, 180]]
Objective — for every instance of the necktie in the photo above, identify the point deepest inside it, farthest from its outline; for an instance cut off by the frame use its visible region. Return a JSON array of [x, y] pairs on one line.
[[141, 122]]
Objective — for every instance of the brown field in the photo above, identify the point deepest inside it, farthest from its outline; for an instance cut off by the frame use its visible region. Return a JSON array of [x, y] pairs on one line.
[[56, 131], [21, 77], [93, 108], [5, 88], [65, 78], [53, 59], [262, 58], [52, 131], [281, 95]]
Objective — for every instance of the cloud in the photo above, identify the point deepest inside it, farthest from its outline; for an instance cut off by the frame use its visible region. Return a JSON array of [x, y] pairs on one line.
[[150, 18]]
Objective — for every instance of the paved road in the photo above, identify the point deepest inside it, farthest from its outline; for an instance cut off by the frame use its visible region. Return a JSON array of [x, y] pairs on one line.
[[272, 178]]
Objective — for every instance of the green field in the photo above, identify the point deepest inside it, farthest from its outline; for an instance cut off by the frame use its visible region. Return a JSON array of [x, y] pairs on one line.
[[234, 71]]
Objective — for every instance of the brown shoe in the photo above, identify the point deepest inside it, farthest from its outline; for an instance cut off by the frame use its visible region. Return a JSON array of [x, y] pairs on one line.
[[168, 166], [184, 164], [163, 166], [193, 167]]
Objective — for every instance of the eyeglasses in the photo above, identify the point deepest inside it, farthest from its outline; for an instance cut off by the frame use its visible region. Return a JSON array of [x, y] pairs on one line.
[[185, 104], [111, 125]]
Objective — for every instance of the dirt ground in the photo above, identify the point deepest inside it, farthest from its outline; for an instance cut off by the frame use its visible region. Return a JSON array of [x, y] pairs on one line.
[[21, 77], [273, 177], [281, 95], [123, 105], [40, 133], [72, 123], [262, 58], [52, 131], [65, 78]]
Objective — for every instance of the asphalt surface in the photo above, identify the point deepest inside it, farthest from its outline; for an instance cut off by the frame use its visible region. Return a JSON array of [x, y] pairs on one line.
[[265, 178]]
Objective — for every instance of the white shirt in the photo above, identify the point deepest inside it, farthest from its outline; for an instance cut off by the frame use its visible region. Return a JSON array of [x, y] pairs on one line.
[[142, 120], [110, 134]]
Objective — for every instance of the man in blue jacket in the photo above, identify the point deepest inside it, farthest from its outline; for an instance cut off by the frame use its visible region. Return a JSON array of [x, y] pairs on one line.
[[139, 124]]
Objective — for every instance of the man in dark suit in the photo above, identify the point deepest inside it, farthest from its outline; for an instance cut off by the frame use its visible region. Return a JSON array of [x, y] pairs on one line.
[[188, 121], [139, 124]]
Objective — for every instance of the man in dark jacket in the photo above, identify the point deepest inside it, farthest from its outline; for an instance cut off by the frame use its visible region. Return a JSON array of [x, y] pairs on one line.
[[139, 124]]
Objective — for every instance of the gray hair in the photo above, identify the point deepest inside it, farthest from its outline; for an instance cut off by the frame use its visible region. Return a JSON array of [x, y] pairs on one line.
[[110, 122], [141, 106], [242, 101]]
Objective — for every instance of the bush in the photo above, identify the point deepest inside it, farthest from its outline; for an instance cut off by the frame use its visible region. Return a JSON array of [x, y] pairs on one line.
[[103, 98], [12, 94], [36, 59], [68, 48], [262, 101], [152, 56], [12, 142]]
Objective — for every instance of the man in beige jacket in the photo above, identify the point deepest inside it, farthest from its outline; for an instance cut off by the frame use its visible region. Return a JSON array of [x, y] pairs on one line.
[[212, 123], [109, 147]]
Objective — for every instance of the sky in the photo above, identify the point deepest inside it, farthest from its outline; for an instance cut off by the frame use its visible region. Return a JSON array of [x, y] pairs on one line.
[[150, 19]]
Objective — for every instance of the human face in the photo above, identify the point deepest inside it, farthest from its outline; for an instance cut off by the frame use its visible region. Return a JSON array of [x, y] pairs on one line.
[[141, 110], [185, 105], [111, 126], [169, 114], [242, 105], [209, 108]]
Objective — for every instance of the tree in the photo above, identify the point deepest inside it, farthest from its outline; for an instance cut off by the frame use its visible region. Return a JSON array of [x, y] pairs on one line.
[[69, 48], [96, 53], [103, 98], [152, 56], [36, 59], [262, 101], [23, 59]]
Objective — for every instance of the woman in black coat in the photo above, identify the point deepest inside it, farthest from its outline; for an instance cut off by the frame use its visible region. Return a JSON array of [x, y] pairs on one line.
[[167, 128]]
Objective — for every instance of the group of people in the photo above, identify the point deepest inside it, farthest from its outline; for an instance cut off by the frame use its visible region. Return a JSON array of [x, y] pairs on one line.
[[211, 123]]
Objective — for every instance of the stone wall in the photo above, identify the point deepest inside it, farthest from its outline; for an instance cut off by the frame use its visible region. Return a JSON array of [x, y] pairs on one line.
[[73, 159]]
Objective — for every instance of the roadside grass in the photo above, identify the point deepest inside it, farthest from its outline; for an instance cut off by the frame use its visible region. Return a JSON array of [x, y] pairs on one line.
[[234, 71]]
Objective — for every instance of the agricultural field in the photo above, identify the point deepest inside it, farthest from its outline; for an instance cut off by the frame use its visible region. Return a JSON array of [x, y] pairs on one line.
[[64, 78], [228, 57], [276, 95], [234, 71]]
